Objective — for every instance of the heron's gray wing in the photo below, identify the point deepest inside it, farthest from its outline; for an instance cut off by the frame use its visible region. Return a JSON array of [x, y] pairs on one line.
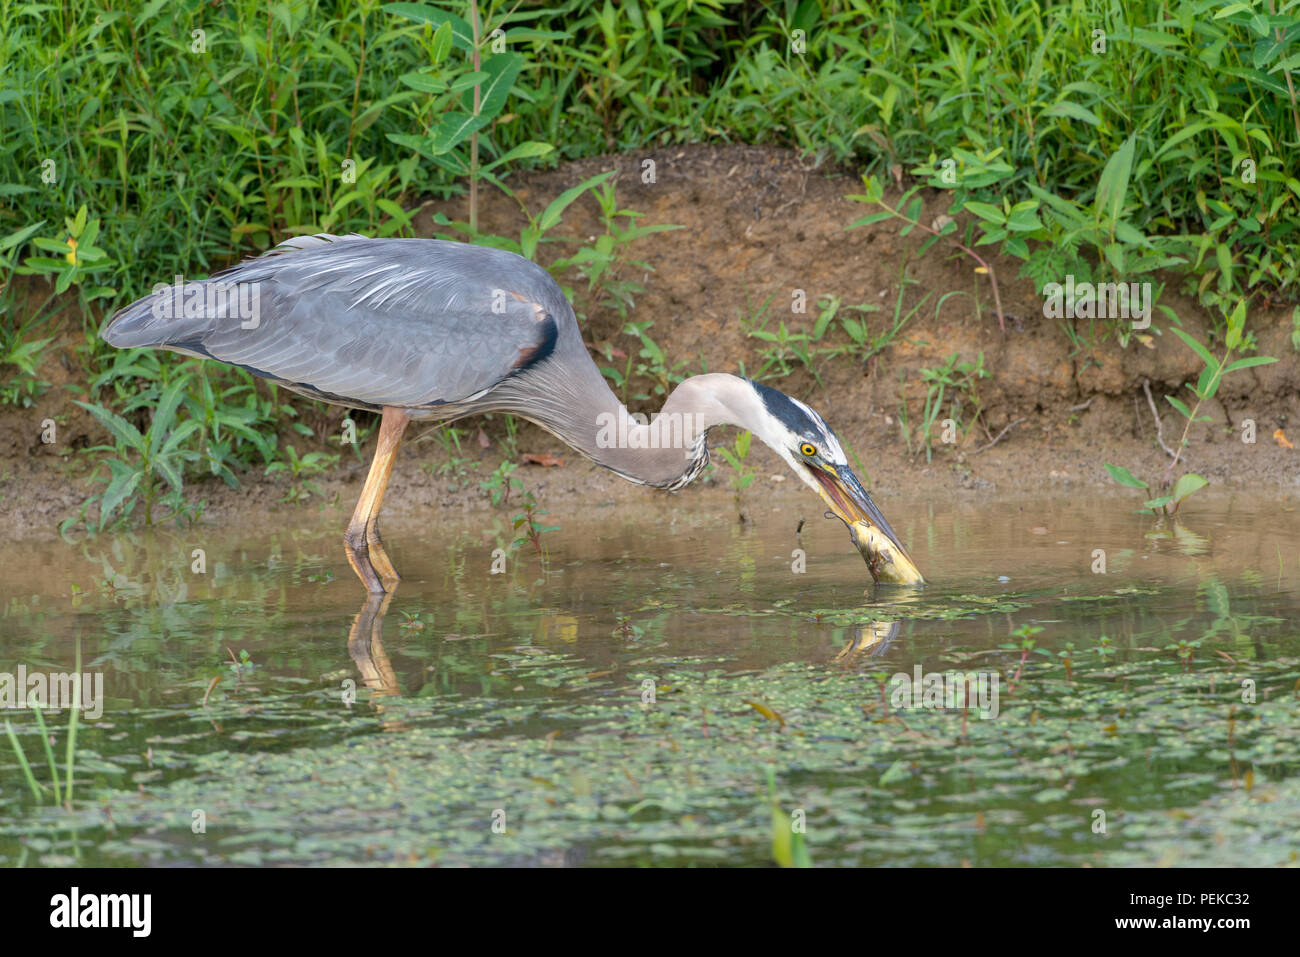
[[370, 322]]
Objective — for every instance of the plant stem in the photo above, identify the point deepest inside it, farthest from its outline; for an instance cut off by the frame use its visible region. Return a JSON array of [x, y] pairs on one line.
[[985, 265], [1210, 388], [473, 140], [22, 762]]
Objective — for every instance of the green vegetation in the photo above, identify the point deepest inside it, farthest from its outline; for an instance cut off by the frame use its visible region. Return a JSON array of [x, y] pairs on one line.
[[59, 790], [502, 482], [725, 760], [952, 388], [142, 460], [455, 467], [298, 468], [175, 138], [1206, 386], [742, 473], [529, 523], [788, 349]]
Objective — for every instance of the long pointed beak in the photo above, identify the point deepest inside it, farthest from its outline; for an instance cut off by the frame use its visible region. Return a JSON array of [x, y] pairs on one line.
[[885, 555]]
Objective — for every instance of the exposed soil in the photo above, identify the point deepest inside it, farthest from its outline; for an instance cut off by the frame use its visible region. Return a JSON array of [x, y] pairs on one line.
[[760, 222]]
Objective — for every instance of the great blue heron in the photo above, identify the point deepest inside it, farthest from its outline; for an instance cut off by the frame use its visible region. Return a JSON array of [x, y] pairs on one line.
[[437, 330]]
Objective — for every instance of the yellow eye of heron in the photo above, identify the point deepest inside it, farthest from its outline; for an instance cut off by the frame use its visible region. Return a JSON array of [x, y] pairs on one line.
[[808, 449]]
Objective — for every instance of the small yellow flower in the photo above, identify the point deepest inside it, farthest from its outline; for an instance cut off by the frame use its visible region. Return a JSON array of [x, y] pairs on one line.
[[72, 255]]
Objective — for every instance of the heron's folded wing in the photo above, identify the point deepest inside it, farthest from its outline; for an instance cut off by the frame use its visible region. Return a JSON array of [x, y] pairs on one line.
[[374, 322]]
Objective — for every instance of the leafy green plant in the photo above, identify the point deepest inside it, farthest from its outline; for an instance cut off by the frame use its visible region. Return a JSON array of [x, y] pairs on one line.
[[23, 386], [600, 261], [742, 473], [1027, 645], [455, 468], [789, 348], [956, 382], [909, 208], [529, 521], [298, 469], [466, 96], [76, 258], [227, 425], [412, 621], [144, 461], [502, 482], [239, 665], [650, 363], [1207, 384]]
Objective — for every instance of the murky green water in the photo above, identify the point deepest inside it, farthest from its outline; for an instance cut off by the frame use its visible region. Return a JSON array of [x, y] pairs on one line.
[[624, 703]]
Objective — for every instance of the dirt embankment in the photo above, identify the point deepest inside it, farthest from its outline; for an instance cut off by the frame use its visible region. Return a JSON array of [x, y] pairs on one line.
[[760, 223]]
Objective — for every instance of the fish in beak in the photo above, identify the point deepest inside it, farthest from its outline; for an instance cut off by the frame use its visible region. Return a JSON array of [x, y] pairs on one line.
[[886, 558]]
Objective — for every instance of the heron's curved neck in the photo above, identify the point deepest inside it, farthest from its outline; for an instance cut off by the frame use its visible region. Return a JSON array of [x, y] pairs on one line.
[[665, 449]]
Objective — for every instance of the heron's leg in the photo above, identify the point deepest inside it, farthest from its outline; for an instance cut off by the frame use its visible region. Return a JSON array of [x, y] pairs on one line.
[[365, 550]]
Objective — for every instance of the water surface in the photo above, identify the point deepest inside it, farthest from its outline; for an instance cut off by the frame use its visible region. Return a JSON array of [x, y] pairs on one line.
[[624, 701]]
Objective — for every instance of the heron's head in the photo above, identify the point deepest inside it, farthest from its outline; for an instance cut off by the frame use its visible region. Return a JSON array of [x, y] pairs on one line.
[[809, 446]]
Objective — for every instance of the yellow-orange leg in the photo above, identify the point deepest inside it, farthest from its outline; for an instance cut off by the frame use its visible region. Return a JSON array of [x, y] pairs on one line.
[[365, 550]]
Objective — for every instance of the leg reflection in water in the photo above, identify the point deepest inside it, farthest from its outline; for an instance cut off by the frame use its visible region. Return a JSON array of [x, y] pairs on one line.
[[366, 648], [871, 638]]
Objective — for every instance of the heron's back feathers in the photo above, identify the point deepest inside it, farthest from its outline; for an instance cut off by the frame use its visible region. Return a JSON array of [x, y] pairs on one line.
[[365, 322]]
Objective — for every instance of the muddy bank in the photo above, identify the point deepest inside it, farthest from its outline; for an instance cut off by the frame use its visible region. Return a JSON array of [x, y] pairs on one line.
[[760, 223]]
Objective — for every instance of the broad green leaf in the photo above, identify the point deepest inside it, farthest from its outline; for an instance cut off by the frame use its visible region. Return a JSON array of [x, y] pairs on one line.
[[424, 82], [1113, 185], [123, 482], [1186, 485], [442, 42], [868, 220], [169, 472], [554, 211], [452, 130], [525, 150], [164, 413], [1073, 111], [503, 68], [1200, 350], [987, 212], [468, 80], [123, 430], [462, 34], [1124, 477], [1024, 217], [1223, 256], [19, 235], [1248, 362]]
